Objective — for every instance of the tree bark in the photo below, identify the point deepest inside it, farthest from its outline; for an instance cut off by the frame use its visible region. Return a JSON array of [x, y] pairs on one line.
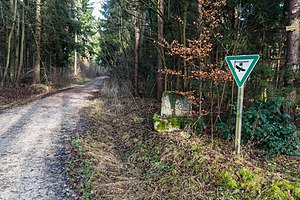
[[78, 7], [38, 23], [292, 56], [200, 13], [293, 36], [137, 46], [185, 67], [13, 56], [160, 78], [21, 59], [17, 50], [75, 54]]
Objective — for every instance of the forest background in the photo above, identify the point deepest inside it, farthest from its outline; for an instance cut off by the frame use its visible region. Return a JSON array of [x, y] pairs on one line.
[[167, 45]]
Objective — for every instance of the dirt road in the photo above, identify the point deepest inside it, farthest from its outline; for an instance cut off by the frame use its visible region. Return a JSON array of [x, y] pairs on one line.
[[32, 139]]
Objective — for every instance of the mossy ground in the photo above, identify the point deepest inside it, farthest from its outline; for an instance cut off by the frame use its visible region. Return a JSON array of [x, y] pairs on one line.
[[131, 161]]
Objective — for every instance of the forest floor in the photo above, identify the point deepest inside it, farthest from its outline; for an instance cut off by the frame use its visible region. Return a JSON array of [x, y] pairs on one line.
[[120, 157], [33, 138]]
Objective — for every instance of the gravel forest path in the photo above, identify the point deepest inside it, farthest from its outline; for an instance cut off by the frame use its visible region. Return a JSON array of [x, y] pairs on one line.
[[32, 141]]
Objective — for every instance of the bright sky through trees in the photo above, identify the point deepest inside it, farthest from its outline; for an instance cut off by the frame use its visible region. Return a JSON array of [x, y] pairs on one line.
[[97, 6]]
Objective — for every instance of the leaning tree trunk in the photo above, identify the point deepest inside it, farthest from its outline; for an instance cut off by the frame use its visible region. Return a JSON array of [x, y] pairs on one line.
[[38, 23], [292, 55], [160, 79]]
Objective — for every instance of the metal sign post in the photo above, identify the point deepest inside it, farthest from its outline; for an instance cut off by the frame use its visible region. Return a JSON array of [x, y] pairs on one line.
[[238, 124], [240, 67]]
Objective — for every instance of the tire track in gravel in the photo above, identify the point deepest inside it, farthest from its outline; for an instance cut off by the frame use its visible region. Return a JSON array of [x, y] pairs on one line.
[[32, 139]]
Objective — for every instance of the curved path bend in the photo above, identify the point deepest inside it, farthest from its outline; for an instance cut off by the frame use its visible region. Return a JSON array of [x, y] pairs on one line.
[[32, 139]]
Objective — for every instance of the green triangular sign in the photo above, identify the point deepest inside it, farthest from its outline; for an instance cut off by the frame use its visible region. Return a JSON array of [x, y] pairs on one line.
[[241, 67]]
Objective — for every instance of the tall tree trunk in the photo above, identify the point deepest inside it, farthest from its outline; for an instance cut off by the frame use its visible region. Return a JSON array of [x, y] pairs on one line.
[[200, 13], [137, 46], [17, 50], [292, 54], [75, 54], [78, 5], [160, 78], [185, 67], [9, 42], [293, 36], [21, 60], [38, 23], [14, 40]]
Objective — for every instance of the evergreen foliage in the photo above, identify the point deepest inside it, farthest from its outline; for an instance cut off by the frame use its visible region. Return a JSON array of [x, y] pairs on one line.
[[267, 126], [57, 21]]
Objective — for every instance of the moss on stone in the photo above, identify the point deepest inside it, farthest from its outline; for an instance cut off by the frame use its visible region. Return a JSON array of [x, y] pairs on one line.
[[168, 124]]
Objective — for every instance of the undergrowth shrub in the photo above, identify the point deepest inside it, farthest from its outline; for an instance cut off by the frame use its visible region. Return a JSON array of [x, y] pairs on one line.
[[266, 126]]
